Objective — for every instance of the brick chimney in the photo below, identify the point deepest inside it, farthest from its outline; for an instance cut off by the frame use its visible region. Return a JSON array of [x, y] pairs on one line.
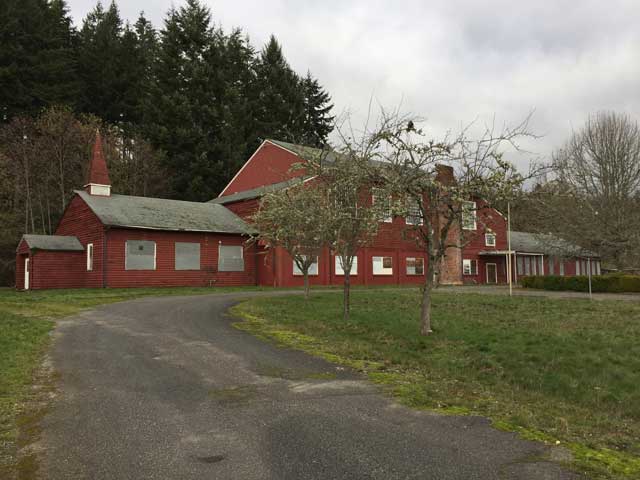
[[99, 183], [444, 174]]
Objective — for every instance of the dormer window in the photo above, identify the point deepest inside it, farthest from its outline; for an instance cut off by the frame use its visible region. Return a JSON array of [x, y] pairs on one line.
[[490, 239]]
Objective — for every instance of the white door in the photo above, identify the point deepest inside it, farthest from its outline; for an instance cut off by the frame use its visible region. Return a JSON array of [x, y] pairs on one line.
[[26, 273]]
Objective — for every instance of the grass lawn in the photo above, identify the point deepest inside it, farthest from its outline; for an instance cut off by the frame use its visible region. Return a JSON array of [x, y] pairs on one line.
[[25, 324], [554, 370]]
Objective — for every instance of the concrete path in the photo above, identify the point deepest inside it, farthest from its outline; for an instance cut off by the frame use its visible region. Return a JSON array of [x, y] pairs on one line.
[[166, 388]]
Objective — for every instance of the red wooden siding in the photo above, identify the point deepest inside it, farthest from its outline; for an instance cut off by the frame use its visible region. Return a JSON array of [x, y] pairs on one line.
[[79, 221], [245, 208], [165, 273], [268, 165]]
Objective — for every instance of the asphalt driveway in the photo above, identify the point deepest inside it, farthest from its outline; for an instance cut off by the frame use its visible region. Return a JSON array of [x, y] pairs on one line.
[[166, 388]]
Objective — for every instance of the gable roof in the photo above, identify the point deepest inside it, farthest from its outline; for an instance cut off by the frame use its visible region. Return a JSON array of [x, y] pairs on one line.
[[257, 192], [98, 173], [548, 244], [163, 214], [53, 242]]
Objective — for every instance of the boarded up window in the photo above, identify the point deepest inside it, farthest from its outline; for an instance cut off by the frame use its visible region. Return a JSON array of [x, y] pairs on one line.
[[140, 255], [230, 258], [187, 256], [415, 266]]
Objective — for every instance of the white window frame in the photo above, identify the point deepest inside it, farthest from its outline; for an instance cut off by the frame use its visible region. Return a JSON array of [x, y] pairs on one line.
[[414, 259], [473, 212], [487, 243], [313, 272], [414, 219], [89, 257], [244, 267], [388, 218], [126, 256], [486, 267], [467, 267], [577, 267], [340, 271], [561, 267], [384, 271]]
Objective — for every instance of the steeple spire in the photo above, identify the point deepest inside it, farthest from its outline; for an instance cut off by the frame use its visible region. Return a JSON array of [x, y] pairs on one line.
[[99, 182]]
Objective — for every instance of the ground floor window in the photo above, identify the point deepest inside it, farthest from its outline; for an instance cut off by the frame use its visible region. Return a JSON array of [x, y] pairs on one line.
[[469, 267], [340, 269], [230, 258], [520, 265], [140, 255], [562, 267], [187, 256], [415, 266], [89, 257], [552, 266], [313, 269], [382, 265]]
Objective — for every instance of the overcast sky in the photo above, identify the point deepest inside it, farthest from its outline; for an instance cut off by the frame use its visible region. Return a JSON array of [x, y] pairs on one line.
[[450, 61]]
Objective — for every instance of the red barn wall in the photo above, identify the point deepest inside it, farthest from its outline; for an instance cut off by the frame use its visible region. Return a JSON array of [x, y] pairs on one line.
[[56, 269], [268, 165], [244, 208], [80, 221], [165, 273]]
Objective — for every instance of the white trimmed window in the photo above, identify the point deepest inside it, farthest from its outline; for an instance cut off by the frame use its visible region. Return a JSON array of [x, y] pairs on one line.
[[577, 267], [597, 267], [562, 267], [89, 257], [414, 213], [490, 239], [469, 216], [520, 265], [313, 268], [469, 267], [377, 196], [140, 255], [415, 266], [230, 258], [340, 270], [187, 256], [382, 265]]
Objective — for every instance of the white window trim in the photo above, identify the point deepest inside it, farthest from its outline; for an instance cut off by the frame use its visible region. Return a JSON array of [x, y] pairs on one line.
[[354, 263], [406, 266], [89, 257], [471, 273], [244, 267], [382, 274], [473, 212], [300, 274], [486, 239], [155, 253], [387, 218], [487, 270]]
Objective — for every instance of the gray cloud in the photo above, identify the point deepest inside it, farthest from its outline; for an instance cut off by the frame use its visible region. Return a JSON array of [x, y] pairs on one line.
[[451, 61]]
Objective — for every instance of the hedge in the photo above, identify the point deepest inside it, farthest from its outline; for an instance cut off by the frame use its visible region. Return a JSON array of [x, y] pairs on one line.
[[613, 283]]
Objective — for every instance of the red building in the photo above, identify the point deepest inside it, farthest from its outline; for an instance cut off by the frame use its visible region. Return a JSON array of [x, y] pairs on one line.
[[110, 240]]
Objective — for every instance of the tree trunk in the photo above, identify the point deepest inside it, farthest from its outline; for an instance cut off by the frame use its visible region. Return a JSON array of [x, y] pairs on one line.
[[346, 301], [425, 314], [306, 284]]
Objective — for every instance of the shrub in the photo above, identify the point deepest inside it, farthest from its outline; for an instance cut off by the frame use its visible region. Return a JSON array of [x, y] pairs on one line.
[[613, 283]]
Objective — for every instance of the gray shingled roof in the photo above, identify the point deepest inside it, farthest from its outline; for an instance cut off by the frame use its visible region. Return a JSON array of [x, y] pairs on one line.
[[163, 214], [53, 242], [548, 244], [255, 192]]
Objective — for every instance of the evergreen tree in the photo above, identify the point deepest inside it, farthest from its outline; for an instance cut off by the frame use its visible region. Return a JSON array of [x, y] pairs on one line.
[[185, 115], [37, 58], [102, 59], [280, 108], [318, 121]]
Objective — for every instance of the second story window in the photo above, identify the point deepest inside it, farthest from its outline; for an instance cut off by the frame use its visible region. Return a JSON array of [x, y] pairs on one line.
[[468, 215], [490, 239], [414, 213], [378, 196]]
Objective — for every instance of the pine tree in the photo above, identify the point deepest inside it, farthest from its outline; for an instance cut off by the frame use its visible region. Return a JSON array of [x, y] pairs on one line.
[[280, 103], [318, 121], [37, 58], [185, 116], [101, 61]]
